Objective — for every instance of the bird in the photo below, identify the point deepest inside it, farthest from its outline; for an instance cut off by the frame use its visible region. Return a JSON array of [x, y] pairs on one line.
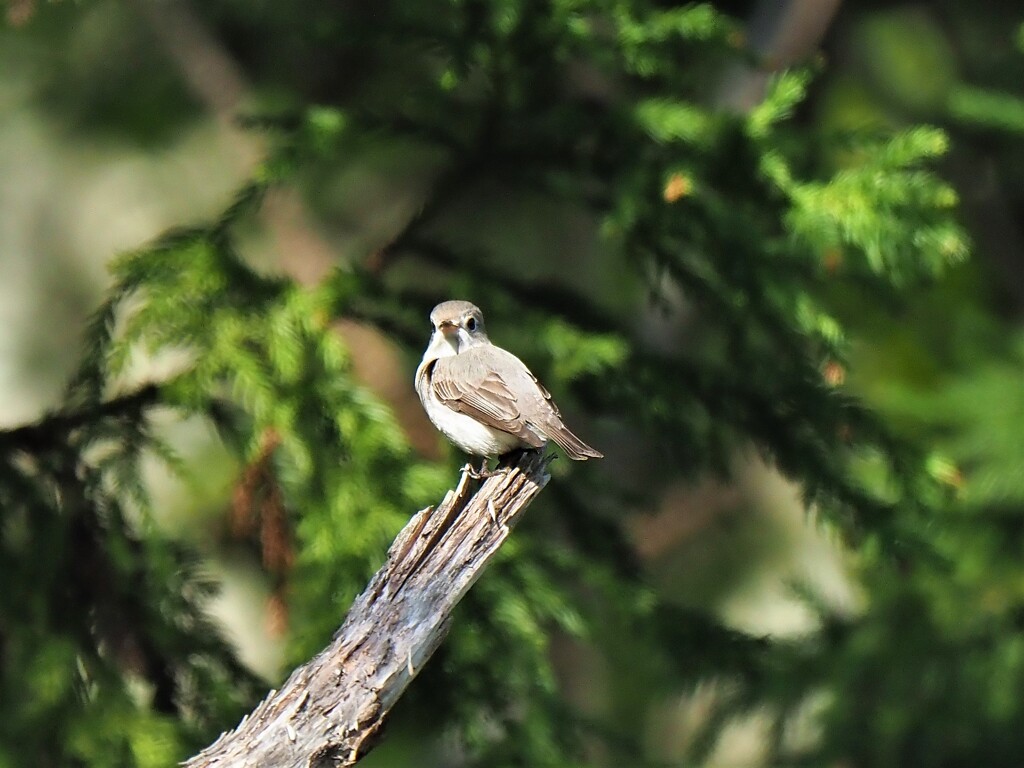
[[483, 398]]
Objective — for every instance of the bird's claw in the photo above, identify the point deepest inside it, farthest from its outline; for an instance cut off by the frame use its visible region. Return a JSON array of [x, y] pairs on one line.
[[483, 473], [468, 471]]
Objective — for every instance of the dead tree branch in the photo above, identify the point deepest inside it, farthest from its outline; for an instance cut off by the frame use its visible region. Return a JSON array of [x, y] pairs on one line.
[[330, 710]]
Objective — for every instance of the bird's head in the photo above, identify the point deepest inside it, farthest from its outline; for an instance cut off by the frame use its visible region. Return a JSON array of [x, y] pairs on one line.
[[456, 326]]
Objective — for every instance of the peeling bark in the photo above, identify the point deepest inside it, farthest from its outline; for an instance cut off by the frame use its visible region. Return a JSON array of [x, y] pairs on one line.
[[331, 710]]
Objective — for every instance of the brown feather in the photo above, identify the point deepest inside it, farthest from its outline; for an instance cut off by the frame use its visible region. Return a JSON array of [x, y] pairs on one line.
[[575, 448], [494, 387], [480, 393]]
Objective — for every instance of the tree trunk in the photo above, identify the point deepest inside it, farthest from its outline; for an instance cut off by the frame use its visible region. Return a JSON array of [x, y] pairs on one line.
[[330, 710]]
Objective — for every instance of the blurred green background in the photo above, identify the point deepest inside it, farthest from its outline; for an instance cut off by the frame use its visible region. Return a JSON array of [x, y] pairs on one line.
[[750, 289]]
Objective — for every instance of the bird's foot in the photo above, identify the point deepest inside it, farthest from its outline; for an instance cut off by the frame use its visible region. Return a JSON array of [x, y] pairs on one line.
[[480, 474], [484, 473]]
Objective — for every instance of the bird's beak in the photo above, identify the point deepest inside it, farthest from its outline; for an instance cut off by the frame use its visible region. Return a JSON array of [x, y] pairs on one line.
[[447, 327]]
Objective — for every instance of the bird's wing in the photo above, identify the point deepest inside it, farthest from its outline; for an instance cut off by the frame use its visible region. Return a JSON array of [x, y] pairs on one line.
[[467, 384]]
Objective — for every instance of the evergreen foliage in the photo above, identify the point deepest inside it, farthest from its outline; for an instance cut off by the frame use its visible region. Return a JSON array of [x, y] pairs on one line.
[[600, 112]]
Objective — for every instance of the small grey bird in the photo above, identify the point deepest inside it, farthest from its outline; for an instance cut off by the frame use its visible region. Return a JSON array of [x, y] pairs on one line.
[[482, 398]]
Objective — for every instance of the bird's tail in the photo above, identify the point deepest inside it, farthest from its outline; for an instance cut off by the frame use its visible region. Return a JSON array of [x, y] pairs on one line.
[[574, 448]]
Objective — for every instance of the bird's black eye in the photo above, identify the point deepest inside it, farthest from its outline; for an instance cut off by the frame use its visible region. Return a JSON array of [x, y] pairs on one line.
[[471, 324]]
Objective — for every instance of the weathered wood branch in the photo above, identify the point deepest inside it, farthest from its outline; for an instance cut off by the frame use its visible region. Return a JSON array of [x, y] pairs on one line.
[[330, 710]]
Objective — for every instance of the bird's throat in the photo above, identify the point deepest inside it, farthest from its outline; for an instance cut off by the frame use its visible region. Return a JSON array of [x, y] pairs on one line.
[[442, 345]]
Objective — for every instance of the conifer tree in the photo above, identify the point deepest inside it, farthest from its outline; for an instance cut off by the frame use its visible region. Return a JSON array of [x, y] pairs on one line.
[[749, 233]]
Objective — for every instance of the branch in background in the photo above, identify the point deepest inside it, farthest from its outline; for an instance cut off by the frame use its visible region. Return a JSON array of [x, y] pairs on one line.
[[779, 34], [445, 189], [553, 298], [56, 426], [330, 710]]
